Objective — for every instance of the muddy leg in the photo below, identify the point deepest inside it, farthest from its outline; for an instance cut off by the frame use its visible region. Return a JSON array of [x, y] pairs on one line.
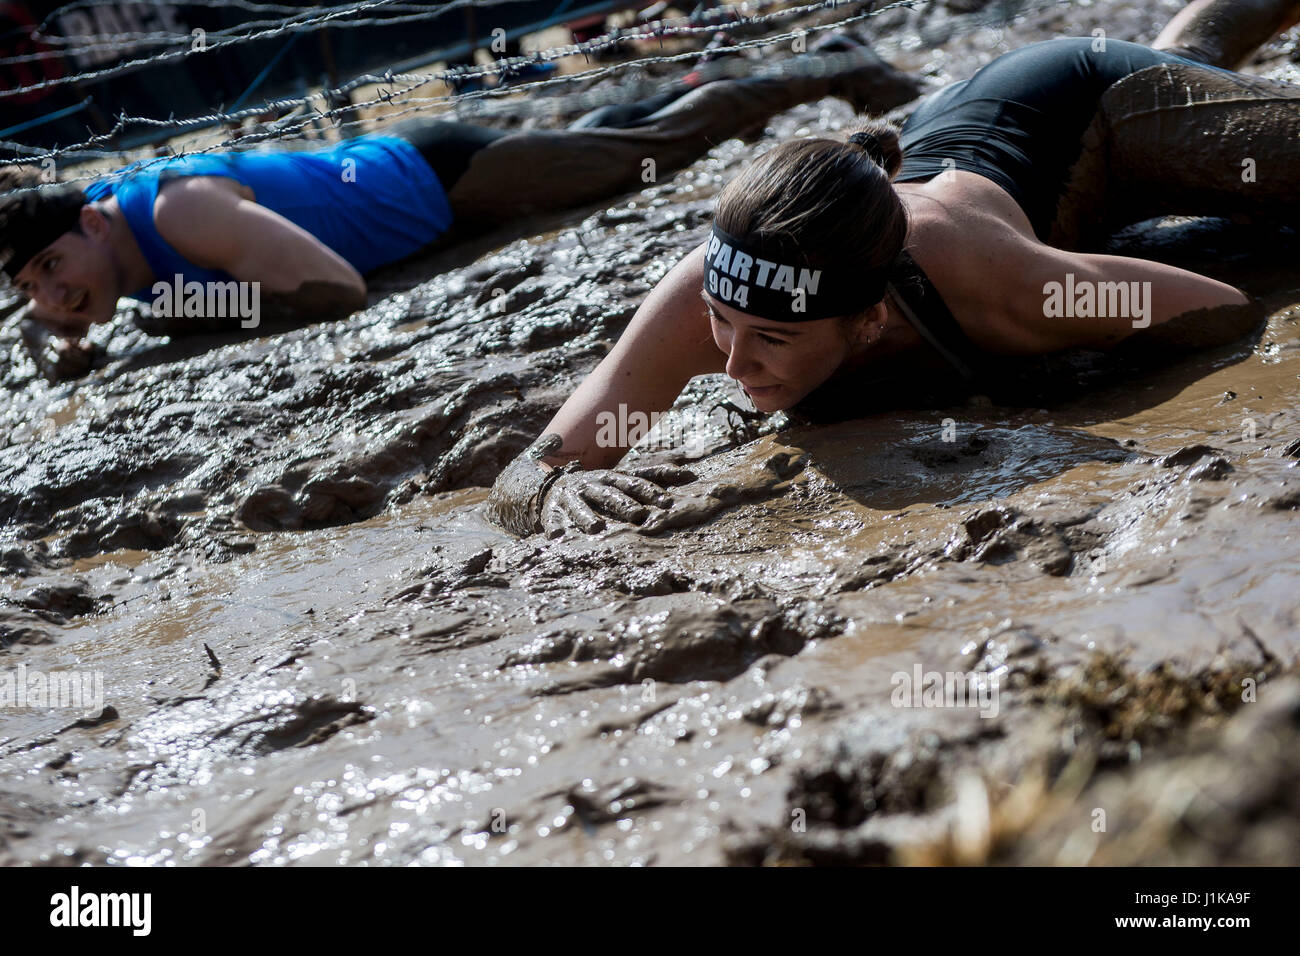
[[1177, 139], [1225, 33], [548, 170]]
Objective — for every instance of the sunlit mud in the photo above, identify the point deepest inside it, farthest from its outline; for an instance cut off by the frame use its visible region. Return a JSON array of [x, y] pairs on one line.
[[315, 648]]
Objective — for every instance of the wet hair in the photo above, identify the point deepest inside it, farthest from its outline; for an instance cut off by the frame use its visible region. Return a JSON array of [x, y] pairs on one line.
[[831, 200], [33, 215]]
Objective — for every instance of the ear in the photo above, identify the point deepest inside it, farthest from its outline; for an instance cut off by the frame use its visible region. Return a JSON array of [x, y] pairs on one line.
[[865, 325], [93, 222]]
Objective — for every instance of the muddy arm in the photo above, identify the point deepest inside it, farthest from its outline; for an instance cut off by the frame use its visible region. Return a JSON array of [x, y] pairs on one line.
[[1197, 330], [318, 300], [519, 492], [1226, 33], [298, 276], [530, 496], [668, 342]]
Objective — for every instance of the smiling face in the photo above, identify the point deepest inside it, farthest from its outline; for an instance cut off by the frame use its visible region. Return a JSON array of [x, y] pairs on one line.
[[72, 281], [779, 363]]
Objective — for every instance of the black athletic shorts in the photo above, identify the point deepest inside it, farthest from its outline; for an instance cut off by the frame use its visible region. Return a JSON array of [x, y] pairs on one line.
[[1019, 121], [446, 146]]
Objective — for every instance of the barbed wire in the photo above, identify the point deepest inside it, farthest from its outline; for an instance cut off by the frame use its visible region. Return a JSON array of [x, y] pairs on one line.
[[414, 82], [656, 29], [134, 65], [499, 68], [78, 5], [424, 103], [336, 115], [304, 20]]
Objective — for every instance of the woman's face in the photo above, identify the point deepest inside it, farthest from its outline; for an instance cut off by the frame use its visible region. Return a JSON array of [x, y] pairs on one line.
[[777, 363]]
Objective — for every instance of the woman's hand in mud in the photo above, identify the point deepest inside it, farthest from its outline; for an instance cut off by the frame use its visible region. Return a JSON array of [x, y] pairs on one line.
[[530, 496], [587, 500]]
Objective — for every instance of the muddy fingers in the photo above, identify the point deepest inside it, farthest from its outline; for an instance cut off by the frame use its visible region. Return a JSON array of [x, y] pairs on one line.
[[588, 500], [565, 512], [665, 475], [529, 497], [607, 499], [645, 491], [58, 359]]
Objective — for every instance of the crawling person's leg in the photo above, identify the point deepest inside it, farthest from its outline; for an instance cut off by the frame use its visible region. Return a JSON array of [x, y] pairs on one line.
[[1225, 33], [447, 146], [549, 170], [1181, 139]]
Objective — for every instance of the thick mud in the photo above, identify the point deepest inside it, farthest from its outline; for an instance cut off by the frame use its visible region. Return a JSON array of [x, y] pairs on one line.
[[314, 648]]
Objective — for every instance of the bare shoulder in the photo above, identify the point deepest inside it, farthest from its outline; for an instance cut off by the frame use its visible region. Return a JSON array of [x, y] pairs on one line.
[[185, 196], [192, 214], [965, 233], [1015, 295], [193, 188]]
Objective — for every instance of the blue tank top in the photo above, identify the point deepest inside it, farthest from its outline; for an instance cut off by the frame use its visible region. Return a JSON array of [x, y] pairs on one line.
[[373, 200]]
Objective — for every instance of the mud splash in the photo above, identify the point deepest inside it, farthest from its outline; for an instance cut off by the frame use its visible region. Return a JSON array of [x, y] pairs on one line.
[[316, 649]]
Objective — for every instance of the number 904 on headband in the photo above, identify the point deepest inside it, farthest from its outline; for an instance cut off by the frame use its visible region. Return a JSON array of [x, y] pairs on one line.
[[729, 291]]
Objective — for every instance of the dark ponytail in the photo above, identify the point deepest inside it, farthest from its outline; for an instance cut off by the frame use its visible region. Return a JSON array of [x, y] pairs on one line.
[[879, 140], [832, 200]]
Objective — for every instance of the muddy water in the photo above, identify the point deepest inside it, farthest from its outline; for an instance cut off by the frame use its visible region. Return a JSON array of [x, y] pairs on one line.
[[314, 648]]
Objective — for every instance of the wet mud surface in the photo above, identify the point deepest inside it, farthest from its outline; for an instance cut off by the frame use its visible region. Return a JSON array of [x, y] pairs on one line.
[[315, 648]]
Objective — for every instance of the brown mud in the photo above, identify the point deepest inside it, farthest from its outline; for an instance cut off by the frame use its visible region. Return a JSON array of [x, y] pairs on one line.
[[316, 649]]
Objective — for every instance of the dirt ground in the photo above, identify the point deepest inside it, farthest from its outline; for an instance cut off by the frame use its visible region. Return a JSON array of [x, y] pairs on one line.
[[314, 648]]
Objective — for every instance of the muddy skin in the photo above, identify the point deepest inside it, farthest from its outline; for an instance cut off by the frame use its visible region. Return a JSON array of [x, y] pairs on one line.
[[1173, 140], [397, 680], [58, 360], [314, 301], [527, 498], [520, 491]]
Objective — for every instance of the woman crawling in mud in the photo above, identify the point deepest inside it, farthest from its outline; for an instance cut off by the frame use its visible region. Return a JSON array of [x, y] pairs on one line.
[[837, 271], [307, 225]]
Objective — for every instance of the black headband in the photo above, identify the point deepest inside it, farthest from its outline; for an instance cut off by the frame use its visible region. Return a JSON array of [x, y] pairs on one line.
[[37, 219], [773, 280]]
